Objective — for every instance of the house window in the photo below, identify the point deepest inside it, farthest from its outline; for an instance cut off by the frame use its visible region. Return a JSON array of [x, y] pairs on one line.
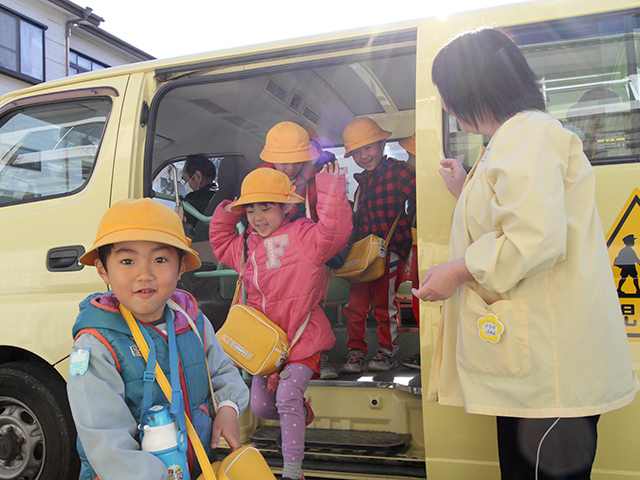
[[21, 46], [79, 63]]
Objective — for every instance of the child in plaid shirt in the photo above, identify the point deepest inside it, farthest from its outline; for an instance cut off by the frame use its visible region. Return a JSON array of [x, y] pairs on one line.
[[386, 189]]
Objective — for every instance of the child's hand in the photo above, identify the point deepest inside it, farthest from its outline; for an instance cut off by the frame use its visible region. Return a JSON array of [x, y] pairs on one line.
[[333, 168], [226, 425], [228, 206]]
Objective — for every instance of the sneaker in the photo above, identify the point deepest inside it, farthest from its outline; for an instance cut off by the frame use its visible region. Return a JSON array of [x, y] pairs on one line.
[[327, 372], [355, 362], [382, 362], [411, 362]]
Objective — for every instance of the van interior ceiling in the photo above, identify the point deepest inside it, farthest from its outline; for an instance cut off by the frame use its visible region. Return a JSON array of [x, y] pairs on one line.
[[206, 115]]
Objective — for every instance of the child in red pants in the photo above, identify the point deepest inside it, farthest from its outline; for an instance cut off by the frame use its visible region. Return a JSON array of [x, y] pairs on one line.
[[386, 189]]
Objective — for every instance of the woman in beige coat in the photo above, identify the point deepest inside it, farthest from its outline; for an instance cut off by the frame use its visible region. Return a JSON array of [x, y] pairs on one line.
[[531, 330]]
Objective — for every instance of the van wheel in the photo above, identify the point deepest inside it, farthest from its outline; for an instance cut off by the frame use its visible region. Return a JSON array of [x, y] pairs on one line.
[[37, 434]]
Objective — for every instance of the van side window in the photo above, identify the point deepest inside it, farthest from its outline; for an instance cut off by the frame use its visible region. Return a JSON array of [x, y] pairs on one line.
[[589, 80], [49, 150]]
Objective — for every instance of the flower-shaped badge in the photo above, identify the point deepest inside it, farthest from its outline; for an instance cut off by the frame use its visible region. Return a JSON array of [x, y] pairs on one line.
[[490, 328]]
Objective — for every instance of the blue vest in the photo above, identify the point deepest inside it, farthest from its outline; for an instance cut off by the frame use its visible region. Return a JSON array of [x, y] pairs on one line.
[[194, 378]]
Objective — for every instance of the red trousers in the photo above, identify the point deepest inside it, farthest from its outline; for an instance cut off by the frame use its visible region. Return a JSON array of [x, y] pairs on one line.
[[382, 294]]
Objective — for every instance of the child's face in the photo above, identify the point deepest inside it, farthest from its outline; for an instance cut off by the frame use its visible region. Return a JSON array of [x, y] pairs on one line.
[[266, 218], [143, 276], [291, 170], [369, 156]]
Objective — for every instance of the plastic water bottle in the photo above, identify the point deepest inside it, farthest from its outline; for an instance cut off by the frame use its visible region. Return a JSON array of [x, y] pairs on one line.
[[160, 437]]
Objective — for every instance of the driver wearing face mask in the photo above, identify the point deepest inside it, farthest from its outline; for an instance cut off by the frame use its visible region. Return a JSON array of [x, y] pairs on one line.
[[198, 175]]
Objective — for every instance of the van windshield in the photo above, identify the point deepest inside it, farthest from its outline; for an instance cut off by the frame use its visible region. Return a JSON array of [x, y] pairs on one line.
[[49, 150], [590, 84]]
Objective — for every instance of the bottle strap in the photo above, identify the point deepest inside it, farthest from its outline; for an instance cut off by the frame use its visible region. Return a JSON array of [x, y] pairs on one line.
[[149, 379], [175, 307], [201, 454], [176, 407]]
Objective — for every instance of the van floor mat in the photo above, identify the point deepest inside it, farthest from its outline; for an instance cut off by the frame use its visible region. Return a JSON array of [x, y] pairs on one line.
[[326, 440]]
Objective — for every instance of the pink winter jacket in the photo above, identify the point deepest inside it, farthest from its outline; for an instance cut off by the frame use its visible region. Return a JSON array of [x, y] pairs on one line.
[[284, 275]]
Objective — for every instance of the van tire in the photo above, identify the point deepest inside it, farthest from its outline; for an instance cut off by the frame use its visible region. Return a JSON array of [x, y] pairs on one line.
[[37, 433]]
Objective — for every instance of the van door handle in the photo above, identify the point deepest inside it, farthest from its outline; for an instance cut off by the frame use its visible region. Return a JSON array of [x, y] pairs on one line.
[[65, 259]]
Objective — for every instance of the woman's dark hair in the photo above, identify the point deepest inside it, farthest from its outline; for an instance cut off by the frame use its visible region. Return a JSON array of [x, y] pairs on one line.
[[200, 162], [483, 76]]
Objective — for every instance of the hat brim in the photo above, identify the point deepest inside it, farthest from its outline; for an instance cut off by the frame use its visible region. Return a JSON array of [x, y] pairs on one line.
[[190, 259], [289, 157], [367, 141], [260, 197], [408, 145]]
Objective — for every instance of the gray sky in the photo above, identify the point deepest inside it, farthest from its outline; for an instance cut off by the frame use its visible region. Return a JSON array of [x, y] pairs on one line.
[[166, 29]]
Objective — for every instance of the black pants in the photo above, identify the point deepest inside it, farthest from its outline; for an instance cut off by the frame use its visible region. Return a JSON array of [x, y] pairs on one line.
[[559, 449]]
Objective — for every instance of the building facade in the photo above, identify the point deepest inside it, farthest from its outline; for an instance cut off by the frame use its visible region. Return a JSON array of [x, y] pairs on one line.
[[42, 40]]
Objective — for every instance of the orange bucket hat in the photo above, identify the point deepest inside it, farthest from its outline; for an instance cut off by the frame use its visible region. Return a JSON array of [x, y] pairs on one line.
[[360, 132], [409, 144], [288, 142], [142, 220], [266, 185]]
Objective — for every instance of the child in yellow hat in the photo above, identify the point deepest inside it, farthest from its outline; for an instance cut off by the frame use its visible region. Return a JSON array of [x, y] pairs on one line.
[[140, 251], [281, 265], [288, 149], [386, 189]]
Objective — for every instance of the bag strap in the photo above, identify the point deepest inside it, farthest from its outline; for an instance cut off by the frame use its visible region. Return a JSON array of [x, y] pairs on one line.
[[243, 260], [393, 227], [201, 454]]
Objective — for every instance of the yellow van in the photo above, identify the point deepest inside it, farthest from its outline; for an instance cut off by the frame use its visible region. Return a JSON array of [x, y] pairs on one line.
[[71, 148]]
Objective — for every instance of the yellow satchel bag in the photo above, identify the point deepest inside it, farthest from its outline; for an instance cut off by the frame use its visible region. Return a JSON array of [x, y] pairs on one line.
[[365, 261], [246, 463], [253, 341]]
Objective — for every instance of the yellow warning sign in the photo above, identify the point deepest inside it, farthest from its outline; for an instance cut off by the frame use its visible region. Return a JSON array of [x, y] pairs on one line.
[[623, 241]]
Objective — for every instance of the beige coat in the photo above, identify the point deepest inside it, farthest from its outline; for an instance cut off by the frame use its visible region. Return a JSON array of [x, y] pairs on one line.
[[527, 225]]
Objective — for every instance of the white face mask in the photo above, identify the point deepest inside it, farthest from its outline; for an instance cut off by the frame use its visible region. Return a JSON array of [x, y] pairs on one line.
[[186, 187]]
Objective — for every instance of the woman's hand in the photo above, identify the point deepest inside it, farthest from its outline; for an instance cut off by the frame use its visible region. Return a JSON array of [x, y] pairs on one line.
[[454, 175], [226, 425], [333, 168], [442, 281]]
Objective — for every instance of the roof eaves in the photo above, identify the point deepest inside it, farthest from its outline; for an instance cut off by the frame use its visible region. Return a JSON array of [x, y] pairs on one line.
[[78, 11], [115, 41]]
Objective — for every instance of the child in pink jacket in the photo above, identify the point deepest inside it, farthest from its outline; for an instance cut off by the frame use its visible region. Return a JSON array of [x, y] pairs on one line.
[[284, 276]]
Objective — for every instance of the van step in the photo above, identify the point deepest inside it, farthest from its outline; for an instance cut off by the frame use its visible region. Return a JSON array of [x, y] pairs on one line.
[[326, 440]]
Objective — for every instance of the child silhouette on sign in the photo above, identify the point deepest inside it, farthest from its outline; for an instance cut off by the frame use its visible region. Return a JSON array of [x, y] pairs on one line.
[[626, 262]]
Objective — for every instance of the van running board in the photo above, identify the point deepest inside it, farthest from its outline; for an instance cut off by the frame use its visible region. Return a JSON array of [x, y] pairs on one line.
[[351, 442]]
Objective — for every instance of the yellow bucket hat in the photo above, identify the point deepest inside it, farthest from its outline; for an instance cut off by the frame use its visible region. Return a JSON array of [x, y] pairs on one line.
[[142, 220], [265, 185], [409, 144], [288, 142], [360, 132]]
